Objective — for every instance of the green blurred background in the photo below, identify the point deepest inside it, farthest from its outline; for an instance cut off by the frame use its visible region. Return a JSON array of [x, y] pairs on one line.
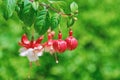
[[97, 56]]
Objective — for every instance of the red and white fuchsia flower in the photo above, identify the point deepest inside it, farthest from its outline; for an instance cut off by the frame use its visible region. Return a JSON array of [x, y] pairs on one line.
[[59, 45], [72, 43], [32, 49], [48, 46]]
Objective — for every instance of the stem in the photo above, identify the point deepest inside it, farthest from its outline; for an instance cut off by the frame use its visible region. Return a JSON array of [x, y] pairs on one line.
[[48, 6], [32, 30], [59, 27]]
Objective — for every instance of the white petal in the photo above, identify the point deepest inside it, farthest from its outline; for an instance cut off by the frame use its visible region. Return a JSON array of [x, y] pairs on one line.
[[32, 56], [30, 49], [39, 53], [22, 54], [30, 53], [22, 51], [39, 50], [47, 49], [39, 47]]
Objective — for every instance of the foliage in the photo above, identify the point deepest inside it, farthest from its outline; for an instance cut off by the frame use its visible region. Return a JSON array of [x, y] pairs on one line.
[[36, 12], [97, 30]]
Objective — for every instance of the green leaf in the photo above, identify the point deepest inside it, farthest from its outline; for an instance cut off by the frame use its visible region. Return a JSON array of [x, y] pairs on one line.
[[17, 8], [42, 22], [27, 13], [26, 30], [27, 8], [26, 2], [9, 6], [70, 22], [57, 4], [74, 7], [55, 20], [35, 5]]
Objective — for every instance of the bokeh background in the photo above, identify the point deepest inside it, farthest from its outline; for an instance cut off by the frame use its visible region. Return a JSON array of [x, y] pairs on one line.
[[97, 56]]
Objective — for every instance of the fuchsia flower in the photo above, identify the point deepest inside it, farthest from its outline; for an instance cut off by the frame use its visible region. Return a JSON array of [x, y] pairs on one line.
[[32, 49], [48, 46], [59, 45], [72, 43]]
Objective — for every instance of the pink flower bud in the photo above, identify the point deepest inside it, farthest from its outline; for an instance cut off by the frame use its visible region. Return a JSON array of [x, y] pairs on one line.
[[72, 43], [59, 45]]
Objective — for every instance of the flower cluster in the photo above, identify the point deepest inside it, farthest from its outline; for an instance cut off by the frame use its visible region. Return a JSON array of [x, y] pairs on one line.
[[34, 48]]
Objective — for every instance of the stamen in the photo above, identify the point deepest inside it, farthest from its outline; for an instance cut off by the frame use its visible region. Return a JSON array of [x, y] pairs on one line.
[[56, 58], [28, 76], [57, 61], [30, 64], [29, 73], [37, 63]]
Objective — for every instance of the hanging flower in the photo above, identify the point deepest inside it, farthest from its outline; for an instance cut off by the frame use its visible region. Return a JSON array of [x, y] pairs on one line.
[[72, 42], [32, 49], [59, 45], [48, 46]]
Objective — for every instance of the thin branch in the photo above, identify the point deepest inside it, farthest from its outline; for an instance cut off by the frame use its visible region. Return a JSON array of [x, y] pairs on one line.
[[59, 12]]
